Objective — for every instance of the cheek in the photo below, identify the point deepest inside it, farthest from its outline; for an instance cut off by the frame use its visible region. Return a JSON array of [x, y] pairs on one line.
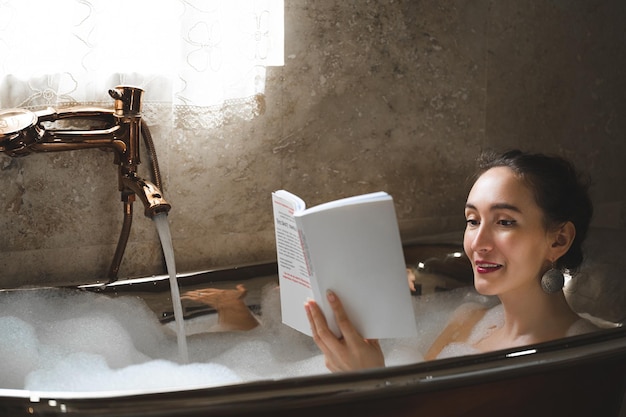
[[528, 254]]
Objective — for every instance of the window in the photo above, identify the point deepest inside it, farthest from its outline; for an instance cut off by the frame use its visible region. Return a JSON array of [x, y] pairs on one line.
[[198, 60]]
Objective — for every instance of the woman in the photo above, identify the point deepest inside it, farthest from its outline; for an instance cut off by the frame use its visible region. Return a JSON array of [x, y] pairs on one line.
[[527, 216]]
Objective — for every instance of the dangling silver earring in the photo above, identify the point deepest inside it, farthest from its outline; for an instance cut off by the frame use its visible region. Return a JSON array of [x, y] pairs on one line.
[[552, 281]]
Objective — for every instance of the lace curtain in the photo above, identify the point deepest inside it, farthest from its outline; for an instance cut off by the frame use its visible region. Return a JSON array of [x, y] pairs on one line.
[[200, 62]]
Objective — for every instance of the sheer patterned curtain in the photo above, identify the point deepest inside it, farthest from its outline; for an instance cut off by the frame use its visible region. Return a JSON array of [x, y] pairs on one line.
[[200, 61]]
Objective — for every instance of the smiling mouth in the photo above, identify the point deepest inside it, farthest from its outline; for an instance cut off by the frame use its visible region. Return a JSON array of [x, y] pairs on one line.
[[486, 267]]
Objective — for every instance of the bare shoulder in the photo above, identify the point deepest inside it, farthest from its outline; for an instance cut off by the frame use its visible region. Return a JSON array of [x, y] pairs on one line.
[[458, 328], [467, 309], [582, 326]]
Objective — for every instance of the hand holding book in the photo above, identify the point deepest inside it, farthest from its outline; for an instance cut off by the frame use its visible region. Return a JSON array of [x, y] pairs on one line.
[[349, 352]]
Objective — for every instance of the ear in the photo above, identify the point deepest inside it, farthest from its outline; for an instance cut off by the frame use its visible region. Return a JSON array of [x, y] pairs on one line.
[[561, 240]]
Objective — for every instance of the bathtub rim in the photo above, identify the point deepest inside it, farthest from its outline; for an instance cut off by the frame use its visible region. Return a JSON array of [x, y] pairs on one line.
[[304, 391], [268, 395]]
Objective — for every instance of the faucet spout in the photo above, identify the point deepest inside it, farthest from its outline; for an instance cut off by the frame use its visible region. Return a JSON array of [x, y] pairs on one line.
[[148, 193], [119, 129]]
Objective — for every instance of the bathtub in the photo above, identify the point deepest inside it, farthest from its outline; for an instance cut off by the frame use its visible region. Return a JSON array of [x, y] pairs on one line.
[[577, 376]]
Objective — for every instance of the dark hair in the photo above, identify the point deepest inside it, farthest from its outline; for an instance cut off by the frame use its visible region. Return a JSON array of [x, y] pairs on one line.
[[559, 189]]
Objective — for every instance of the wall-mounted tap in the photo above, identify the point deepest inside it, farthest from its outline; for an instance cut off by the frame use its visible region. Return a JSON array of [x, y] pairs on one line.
[[119, 129]]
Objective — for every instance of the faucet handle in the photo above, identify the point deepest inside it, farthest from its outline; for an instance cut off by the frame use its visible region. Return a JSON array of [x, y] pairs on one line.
[[19, 129], [149, 194], [127, 100], [116, 94]]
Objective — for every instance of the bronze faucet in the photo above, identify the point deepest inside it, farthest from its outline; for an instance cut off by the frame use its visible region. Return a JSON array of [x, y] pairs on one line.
[[23, 132]]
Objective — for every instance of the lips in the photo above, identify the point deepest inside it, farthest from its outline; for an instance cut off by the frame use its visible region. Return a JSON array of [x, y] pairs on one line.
[[484, 267]]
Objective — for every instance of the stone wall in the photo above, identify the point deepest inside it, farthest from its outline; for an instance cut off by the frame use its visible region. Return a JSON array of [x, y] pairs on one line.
[[398, 96]]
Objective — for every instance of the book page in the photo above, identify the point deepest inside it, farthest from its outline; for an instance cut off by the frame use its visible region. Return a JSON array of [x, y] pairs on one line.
[[293, 270], [348, 201], [354, 248]]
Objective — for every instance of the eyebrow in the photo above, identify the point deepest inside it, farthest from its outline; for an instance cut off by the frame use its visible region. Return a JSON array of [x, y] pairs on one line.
[[497, 206]]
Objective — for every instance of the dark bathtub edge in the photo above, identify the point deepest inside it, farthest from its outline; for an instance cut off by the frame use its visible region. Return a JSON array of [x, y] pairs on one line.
[[394, 384]]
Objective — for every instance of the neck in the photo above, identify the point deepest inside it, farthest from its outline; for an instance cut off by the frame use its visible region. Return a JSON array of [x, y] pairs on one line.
[[549, 317]]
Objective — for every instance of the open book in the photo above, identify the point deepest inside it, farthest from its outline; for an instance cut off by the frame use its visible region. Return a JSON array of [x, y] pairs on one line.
[[351, 246]]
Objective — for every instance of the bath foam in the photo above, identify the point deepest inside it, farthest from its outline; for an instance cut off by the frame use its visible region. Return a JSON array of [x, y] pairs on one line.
[[18, 351], [101, 335], [270, 351], [90, 372], [80, 341]]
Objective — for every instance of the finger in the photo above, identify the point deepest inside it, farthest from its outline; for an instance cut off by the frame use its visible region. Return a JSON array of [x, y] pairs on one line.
[[194, 297], [325, 339], [316, 320], [194, 293], [346, 327], [308, 307], [411, 278], [242, 290], [188, 297]]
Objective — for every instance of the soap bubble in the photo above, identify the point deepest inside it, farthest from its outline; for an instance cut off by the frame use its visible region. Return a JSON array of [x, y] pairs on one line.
[[70, 340]]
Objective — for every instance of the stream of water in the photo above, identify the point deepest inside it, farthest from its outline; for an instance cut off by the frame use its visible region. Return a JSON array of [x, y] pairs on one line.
[[165, 235]]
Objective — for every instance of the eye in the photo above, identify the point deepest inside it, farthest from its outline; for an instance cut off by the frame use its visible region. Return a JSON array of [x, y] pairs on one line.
[[507, 222], [472, 222]]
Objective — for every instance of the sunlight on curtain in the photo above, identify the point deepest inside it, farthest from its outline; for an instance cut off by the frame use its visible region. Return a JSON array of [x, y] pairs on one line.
[[201, 62]]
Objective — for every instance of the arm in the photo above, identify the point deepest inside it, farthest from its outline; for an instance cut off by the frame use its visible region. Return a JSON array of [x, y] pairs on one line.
[[457, 330], [351, 351], [233, 313]]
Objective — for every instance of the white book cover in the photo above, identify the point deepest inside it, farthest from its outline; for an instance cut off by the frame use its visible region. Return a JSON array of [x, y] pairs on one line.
[[351, 246]]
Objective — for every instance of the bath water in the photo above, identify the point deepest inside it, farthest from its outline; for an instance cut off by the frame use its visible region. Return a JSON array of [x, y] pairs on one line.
[[163, 228], [79, 341]]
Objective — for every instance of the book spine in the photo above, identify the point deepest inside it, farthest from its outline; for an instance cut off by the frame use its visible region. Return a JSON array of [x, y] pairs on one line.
[[305, 251]]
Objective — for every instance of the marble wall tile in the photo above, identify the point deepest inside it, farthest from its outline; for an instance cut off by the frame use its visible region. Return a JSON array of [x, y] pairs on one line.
[[555, 71], [398, 96]]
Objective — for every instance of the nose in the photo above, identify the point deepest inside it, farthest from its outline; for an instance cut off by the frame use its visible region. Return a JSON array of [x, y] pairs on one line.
[[479, 238]]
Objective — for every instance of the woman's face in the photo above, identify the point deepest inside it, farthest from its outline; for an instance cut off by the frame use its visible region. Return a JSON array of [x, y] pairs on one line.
[[505, 237]]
